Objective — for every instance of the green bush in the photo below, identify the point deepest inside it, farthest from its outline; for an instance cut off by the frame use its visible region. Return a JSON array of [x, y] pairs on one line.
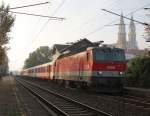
[[138, 73]]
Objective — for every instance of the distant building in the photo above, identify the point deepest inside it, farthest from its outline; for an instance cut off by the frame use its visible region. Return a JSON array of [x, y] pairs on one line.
[[73, 48], [122, 41], [56, 50], [132, 43], [130, 46], [131, 53]]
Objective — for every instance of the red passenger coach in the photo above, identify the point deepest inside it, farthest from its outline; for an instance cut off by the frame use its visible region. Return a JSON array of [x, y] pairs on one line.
[[43, 71]]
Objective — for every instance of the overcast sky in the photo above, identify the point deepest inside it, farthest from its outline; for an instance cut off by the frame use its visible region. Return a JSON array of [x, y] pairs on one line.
[[84, 19]]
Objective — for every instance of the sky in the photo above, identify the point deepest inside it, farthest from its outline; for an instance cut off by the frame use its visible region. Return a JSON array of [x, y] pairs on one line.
[[83, 19]]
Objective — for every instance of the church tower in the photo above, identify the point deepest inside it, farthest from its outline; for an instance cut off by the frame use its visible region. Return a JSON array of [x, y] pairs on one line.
[[121, 43], [132, 44]]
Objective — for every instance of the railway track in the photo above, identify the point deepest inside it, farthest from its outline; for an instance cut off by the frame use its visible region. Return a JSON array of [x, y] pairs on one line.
[[31, 105], [130, 99], [116, 105], [141, 99], [130, 105], [61, 105]]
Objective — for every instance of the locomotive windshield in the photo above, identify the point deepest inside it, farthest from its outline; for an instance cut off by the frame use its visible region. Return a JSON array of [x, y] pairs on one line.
[[108, 54]]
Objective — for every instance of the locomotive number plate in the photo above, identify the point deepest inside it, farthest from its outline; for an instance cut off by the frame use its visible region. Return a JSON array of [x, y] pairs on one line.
[[111, 67]]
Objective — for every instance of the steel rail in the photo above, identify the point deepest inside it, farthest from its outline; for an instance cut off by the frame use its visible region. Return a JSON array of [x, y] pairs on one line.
[[129, 99], [43, 100], [95, 111]]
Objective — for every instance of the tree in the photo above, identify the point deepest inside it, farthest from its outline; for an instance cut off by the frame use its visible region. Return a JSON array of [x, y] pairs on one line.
[[6, 23], [40, 56], [3, 62], [2, 54], [138, 72]]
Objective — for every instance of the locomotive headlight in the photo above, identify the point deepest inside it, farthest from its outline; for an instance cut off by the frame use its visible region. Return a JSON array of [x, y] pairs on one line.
[[100, 72], [120, 73]]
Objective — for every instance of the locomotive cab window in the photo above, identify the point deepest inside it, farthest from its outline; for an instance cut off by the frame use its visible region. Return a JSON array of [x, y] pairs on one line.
[[99, 54], [108, 54]]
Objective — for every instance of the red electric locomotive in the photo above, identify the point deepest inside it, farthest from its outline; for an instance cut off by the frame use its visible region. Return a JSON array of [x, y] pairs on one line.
[[100, 68]]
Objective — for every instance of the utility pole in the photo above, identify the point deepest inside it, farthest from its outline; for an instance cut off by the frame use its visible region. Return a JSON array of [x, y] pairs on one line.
[[147, 27]]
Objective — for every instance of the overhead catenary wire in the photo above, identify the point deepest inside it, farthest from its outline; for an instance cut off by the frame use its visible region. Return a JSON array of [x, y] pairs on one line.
[[124, 17], [56, 10], [36, 37], [29, 5], [147, 8], [50, 17], [102, 27], [119, 24], [90, 20]]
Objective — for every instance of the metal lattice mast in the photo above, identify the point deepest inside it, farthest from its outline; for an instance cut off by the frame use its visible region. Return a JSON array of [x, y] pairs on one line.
[[147, 28]]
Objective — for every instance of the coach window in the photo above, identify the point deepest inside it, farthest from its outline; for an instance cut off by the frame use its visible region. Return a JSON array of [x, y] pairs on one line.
[[88, 56], [55, 64]]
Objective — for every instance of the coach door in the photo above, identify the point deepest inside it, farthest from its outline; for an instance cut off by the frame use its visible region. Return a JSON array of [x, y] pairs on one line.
[[49, 71], [80, 70]]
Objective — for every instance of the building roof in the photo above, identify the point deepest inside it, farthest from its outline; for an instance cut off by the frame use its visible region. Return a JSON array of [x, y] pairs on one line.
[[77, 46], [58, 47], [73, 48]]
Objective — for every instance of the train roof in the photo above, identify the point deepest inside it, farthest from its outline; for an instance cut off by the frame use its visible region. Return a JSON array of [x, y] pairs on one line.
[[107, 47], [102, 47], [69, 53], [42, 65]]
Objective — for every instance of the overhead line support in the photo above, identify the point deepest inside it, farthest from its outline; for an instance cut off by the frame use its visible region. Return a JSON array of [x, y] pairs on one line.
[[125, 17]]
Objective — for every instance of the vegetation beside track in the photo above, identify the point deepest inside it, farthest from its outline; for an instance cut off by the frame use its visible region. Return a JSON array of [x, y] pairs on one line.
[[6, 23], [40, 56], [138, 73]]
